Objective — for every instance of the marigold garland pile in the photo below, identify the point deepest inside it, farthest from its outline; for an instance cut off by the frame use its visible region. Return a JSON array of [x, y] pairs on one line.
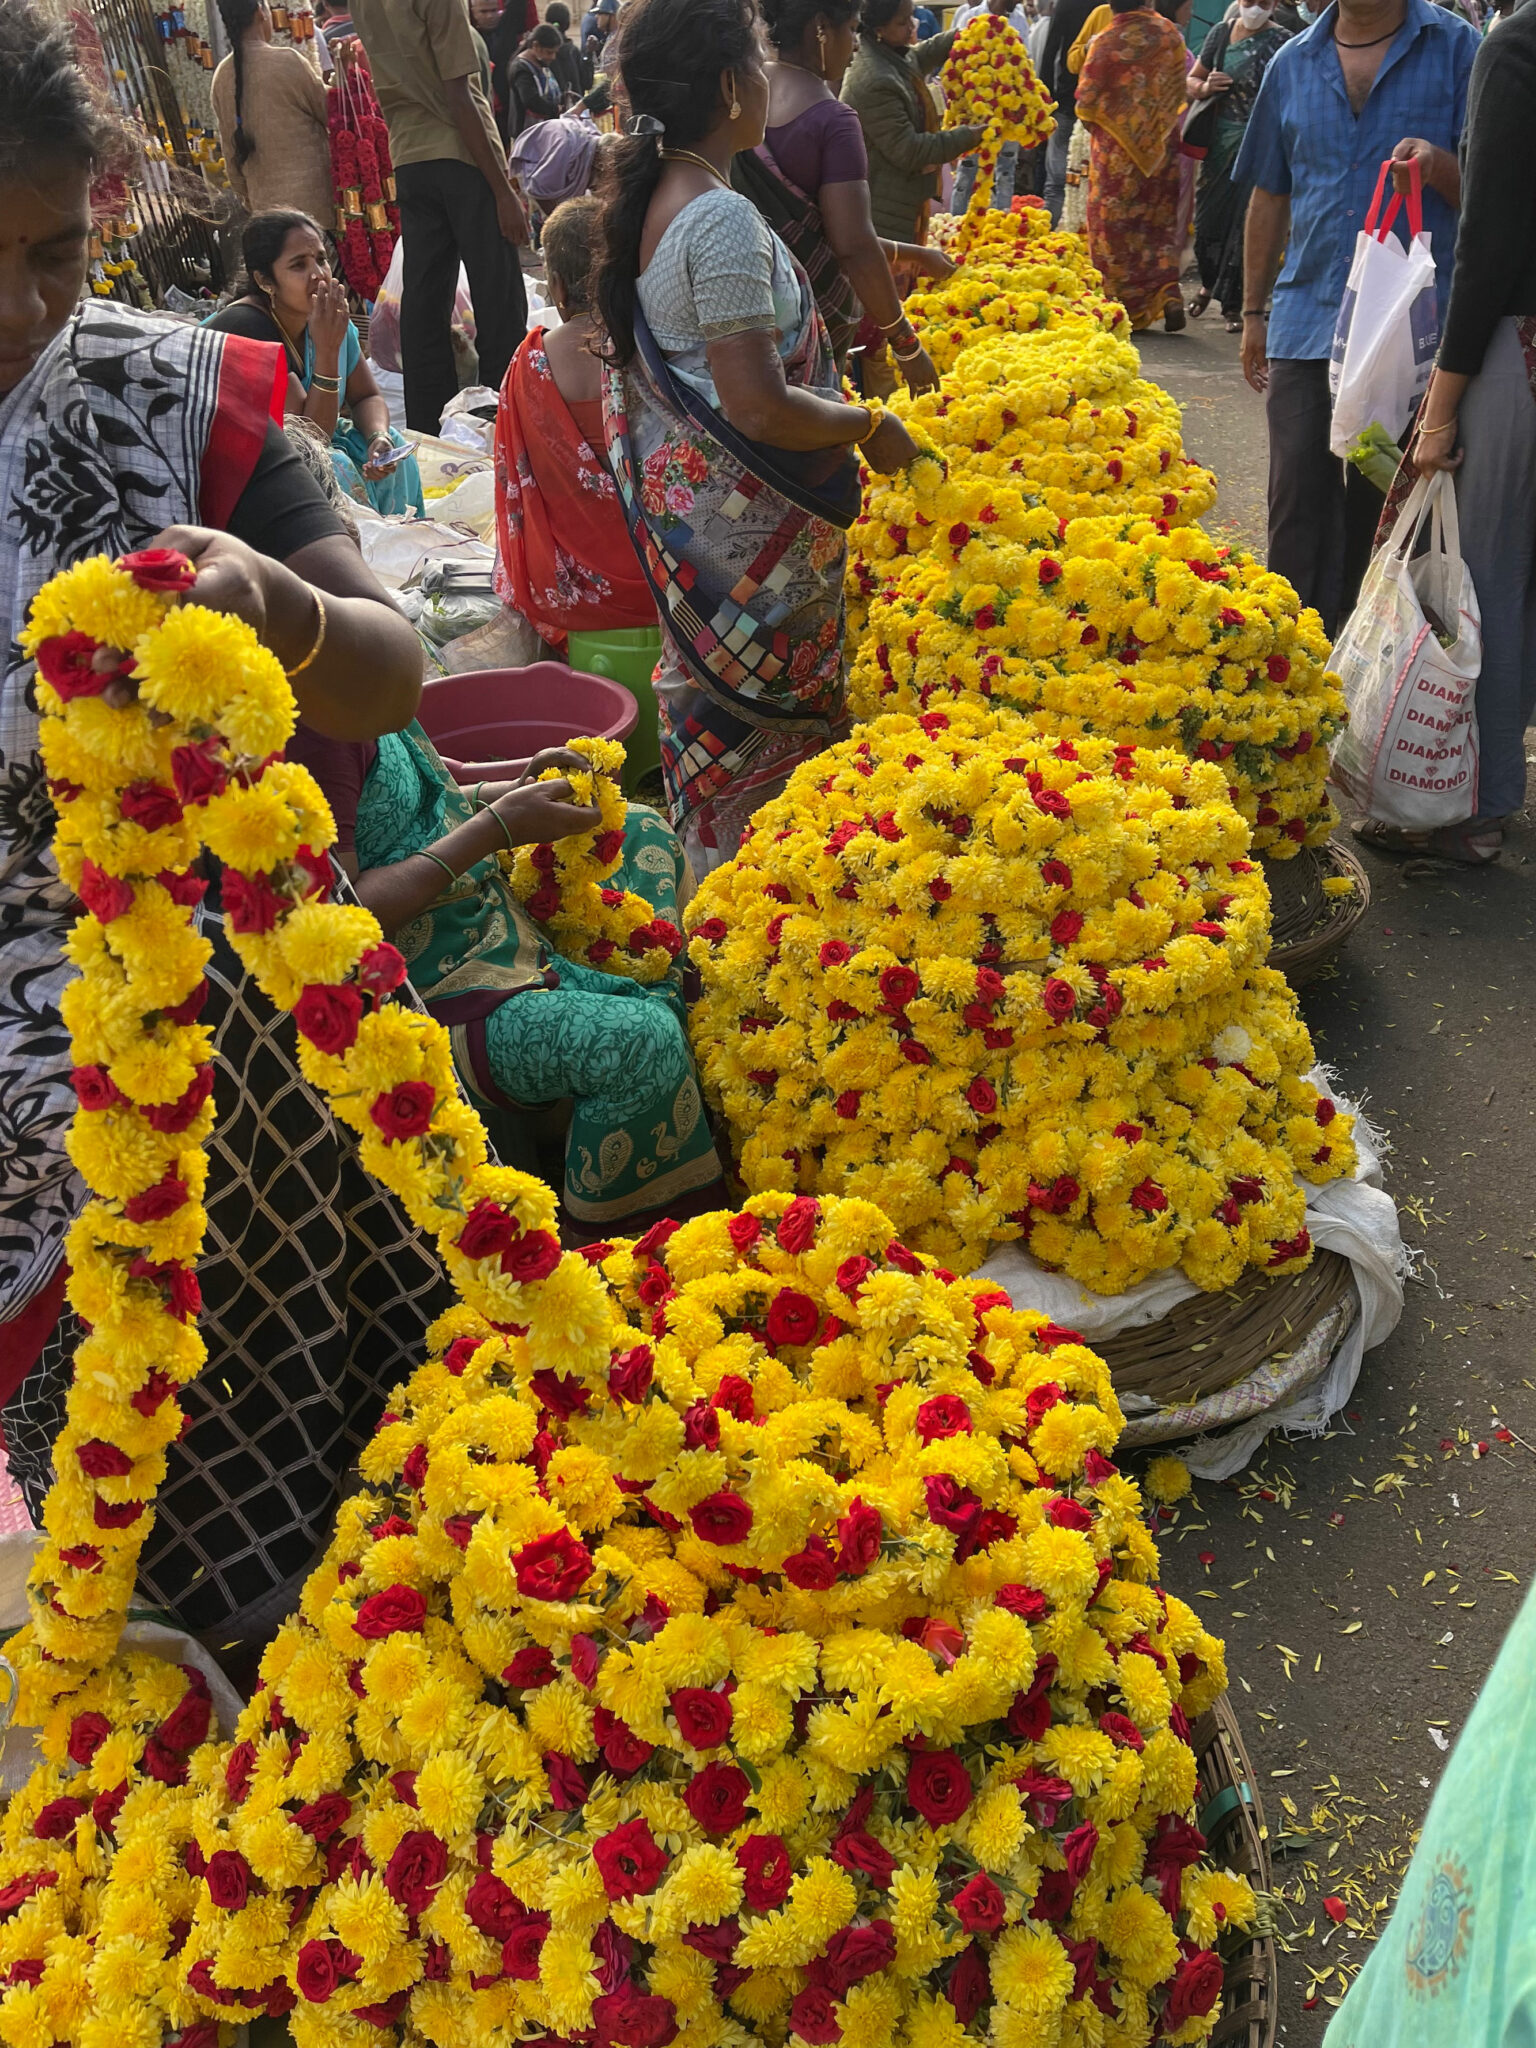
[[742, 1634], [561, 882], [1058, 567], [1010, 281], [1015, 990]]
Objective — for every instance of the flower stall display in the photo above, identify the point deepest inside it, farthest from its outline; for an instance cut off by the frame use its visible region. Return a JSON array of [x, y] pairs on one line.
[[741, 1633], [989, 83], [561, 884], [1026, 277], [367, 218], [1014, 987]]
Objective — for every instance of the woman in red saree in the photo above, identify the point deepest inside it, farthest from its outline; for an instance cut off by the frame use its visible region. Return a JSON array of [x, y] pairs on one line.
[[563, 553], [1131, 94]]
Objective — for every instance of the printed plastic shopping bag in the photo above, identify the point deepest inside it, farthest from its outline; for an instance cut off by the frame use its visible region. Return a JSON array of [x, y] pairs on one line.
[[1389, 324], [1409, 660]]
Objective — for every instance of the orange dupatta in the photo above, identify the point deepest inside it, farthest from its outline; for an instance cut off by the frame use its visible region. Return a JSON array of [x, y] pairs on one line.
[[1133, 85]]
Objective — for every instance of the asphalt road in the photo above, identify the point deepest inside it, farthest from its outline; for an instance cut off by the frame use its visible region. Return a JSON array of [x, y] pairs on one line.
[[1364, 1580]]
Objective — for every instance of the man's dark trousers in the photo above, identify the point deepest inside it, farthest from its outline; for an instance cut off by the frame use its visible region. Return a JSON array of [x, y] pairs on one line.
[[448, 216]]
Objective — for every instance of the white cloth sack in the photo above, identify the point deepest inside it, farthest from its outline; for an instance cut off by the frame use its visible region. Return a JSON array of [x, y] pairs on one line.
[[1355, 1218], [1389, 323], [384, 321], [1409, 754]]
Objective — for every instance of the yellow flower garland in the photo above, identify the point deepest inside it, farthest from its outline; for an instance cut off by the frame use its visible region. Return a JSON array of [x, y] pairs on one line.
[[1014, 987], [561, 884], [989, 83]]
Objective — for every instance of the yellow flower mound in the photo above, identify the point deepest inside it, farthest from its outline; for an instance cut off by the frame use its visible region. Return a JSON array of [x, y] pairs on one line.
[[1117, 629], [990, 83], [1015, 989], [1029, 276], [817, 1715]]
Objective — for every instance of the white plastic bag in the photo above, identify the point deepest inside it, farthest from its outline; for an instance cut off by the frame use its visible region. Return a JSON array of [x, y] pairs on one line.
[[384, 321], [1409, 754], [1389, 324]]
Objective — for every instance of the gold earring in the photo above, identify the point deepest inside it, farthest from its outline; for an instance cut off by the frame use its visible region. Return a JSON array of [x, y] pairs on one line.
[[821, 50], [735, 110]]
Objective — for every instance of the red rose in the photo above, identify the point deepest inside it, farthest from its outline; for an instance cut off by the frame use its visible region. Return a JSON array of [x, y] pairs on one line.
[[251, 904], [100, 1460], [56, 1822], [631, 1373], [717, 1798], [1030, 1714], [723, 1518], [20, 1889], [1149, 1198], [634, 2019], [793, 1318], [585, 1658], [858, 1536], [1066, 926], [981, 1096], [323, 1817], [94, 1088], [198, 774], [553, 1567], [950, 1504], [1054, 1896], [814, 1568], [567, 1787], [629, 1861], [238, 1769], [392, 1612], [898, 985], [1121, 1728], [105, 896], [970, 1984], [735, 1396], [1069, 1514], [381, 969], [405, 1111], [938, 1785], [945, 1415], [767, 1872], [87, 1732], [861, 1855], [116, 1514], [1194, 1989], [85, 1557], [1059, 999], [1078, 1848], [228, 1878], [623, 1751], [520, 1951], [321, 1966], [328, 1014], [149, 804], [186, 1725], [166, 570], [190, 1008], [703, 1717], [534, 1256], [64, 660], [797, 1226], [532, 1667], [813, 2016], [104, 1811], [158, 1202], [491, 1905], [743, 1231], [562, 1394], [701, 1427], [854, 1953], [170, 1118], [981, 1905]]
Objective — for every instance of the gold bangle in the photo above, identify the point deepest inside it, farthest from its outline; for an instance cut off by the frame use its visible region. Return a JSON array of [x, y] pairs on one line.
[[319, 635], [1445, 427]]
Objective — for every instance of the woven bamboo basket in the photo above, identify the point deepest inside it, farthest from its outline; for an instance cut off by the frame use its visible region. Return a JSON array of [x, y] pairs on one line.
[[1231, 1817], [1212, 1341], [1310, 928]]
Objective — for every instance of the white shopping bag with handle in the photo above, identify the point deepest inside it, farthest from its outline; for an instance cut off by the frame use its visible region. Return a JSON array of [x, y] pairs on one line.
[[1389, 323], [1409, 660]]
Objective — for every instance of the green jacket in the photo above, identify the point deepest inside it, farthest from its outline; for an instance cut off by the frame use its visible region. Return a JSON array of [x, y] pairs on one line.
[[884, 88]]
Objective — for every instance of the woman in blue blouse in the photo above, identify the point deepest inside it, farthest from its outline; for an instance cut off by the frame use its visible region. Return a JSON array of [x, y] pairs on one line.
[[289, 296]]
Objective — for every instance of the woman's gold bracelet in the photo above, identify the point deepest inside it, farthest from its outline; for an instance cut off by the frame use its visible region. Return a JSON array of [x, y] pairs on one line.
[[319, 383], [1445, 427], [319, 636]]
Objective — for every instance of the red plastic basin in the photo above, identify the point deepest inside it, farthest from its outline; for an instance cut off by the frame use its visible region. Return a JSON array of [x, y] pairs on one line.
[[489, 721]]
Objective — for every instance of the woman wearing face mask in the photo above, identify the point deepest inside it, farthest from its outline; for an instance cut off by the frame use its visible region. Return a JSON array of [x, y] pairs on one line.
[[809, 178], [1231, 68]]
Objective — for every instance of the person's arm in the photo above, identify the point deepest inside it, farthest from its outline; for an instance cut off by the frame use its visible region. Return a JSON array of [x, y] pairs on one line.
[[931, 53], [309, 92], [1434, 438], [328, 327], [484, 147], [850, 232], [1264, 237], [521, 816], [370, 411], [1439, 169], [887, 123]]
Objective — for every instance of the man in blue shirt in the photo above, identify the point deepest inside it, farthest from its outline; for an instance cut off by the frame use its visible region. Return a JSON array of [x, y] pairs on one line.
[[1369, 80]]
